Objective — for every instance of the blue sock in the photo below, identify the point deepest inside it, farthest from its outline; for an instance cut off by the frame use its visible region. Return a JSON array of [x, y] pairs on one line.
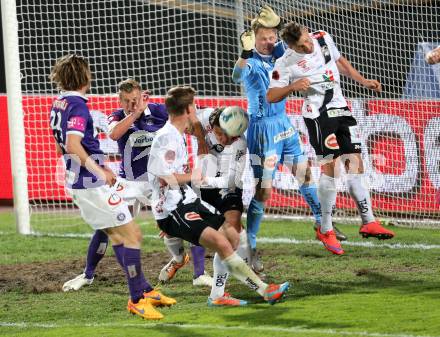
[[119, 253], [97, 247], [198, 257], [254, 215], [136, 280], [310, 195]]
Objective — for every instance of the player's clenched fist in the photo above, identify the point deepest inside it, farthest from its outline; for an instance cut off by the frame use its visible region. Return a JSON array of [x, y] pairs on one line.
[[301, 85], [373, 85], [433, 56], [268, 18]]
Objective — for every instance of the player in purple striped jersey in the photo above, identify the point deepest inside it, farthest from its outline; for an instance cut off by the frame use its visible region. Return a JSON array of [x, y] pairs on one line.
[[92, 185], [133, 126]]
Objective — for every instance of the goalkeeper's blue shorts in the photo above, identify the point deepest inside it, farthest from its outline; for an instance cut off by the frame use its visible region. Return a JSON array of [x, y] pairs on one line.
[[273, 140]]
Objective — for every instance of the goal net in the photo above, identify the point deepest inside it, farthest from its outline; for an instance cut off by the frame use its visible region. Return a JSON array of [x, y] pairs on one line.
[[166, 43]]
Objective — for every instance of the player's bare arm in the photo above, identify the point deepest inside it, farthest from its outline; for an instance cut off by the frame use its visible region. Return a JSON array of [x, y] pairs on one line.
[[196, 129], [346, 69], [74, 147], [277, 94]]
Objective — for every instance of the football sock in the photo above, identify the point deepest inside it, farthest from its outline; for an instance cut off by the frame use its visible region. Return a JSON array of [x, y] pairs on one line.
[[135, 277], [243, 247], [327, 197], [254, 217], [242, 272], [310, 195], [198, 257], [97, 247], [119, 254], [220, 276], [361, 195], [175, 247]]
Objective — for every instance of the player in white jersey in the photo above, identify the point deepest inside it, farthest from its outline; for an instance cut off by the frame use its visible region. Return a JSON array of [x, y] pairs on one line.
[[175, 205], [312, 65]]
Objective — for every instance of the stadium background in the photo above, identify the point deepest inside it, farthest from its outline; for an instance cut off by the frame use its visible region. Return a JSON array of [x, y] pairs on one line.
[[160, 56]]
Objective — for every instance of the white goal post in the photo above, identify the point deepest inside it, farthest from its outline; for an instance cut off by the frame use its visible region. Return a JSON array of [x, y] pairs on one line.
[[165, 43]]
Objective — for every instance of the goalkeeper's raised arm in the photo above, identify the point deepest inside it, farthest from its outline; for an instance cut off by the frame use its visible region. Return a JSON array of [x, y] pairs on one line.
[[260, 41]]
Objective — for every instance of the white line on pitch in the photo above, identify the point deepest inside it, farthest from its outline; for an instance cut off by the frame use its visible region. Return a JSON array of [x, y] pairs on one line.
[[281, 240], [298, 330]]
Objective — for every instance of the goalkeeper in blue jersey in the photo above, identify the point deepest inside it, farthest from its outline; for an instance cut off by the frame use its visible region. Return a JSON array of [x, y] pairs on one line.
[[271, 137]]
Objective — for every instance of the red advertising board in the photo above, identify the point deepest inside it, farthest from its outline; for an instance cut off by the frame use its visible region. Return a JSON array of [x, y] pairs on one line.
[[402, 138]]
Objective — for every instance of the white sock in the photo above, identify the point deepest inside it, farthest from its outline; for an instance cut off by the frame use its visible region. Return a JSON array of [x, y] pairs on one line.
[[361, 195], [175, 247], [243, 247], [327, 198], [219, 278], [242, 272]]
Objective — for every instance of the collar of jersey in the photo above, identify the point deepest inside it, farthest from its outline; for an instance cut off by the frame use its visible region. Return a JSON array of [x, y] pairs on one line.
[[73, 93], [263, 56]]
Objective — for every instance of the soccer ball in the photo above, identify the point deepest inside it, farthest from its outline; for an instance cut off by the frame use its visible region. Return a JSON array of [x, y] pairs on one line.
[[234, 121]]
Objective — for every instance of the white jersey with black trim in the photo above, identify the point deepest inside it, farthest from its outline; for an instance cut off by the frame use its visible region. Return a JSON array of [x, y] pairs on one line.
[[224, 166], [293, 66], [168, 156]]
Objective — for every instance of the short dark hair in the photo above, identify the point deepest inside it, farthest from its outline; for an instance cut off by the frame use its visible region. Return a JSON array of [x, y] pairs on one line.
[[291, 33], [71, 72], [178, 99], [214, 117], [129, 85]]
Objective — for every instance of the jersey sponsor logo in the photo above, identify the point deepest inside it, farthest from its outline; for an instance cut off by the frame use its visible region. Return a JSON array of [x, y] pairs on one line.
[[303, 65], [141, 139], [355, 135], [328, 76], [192, 216], [114, 199], [331, 142], [170, 156], [77, 123], [275, 75], [284, 135], [119, 188], [270, 162]]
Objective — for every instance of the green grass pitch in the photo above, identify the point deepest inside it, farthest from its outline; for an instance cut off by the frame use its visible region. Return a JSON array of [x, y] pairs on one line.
[[385, 289]]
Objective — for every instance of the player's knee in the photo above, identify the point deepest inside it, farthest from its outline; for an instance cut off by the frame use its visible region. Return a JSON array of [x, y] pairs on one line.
[[223, 246]]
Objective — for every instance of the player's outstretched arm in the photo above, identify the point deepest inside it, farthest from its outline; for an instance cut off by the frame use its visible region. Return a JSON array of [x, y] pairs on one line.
[[196, 129], [277, 94], [346, 69], [247, 41]]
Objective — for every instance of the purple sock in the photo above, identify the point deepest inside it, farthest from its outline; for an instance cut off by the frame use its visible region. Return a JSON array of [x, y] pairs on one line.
[[136, 280], [97, 248], [119, 253], [198, 257]]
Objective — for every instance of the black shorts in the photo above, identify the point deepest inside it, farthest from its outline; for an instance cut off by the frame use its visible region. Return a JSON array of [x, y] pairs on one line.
[[231, 201], [334, 133], [189, 221]]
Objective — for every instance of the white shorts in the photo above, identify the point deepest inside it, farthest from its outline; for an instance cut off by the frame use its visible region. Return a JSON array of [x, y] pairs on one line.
[[101, 207], [132, 191]]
